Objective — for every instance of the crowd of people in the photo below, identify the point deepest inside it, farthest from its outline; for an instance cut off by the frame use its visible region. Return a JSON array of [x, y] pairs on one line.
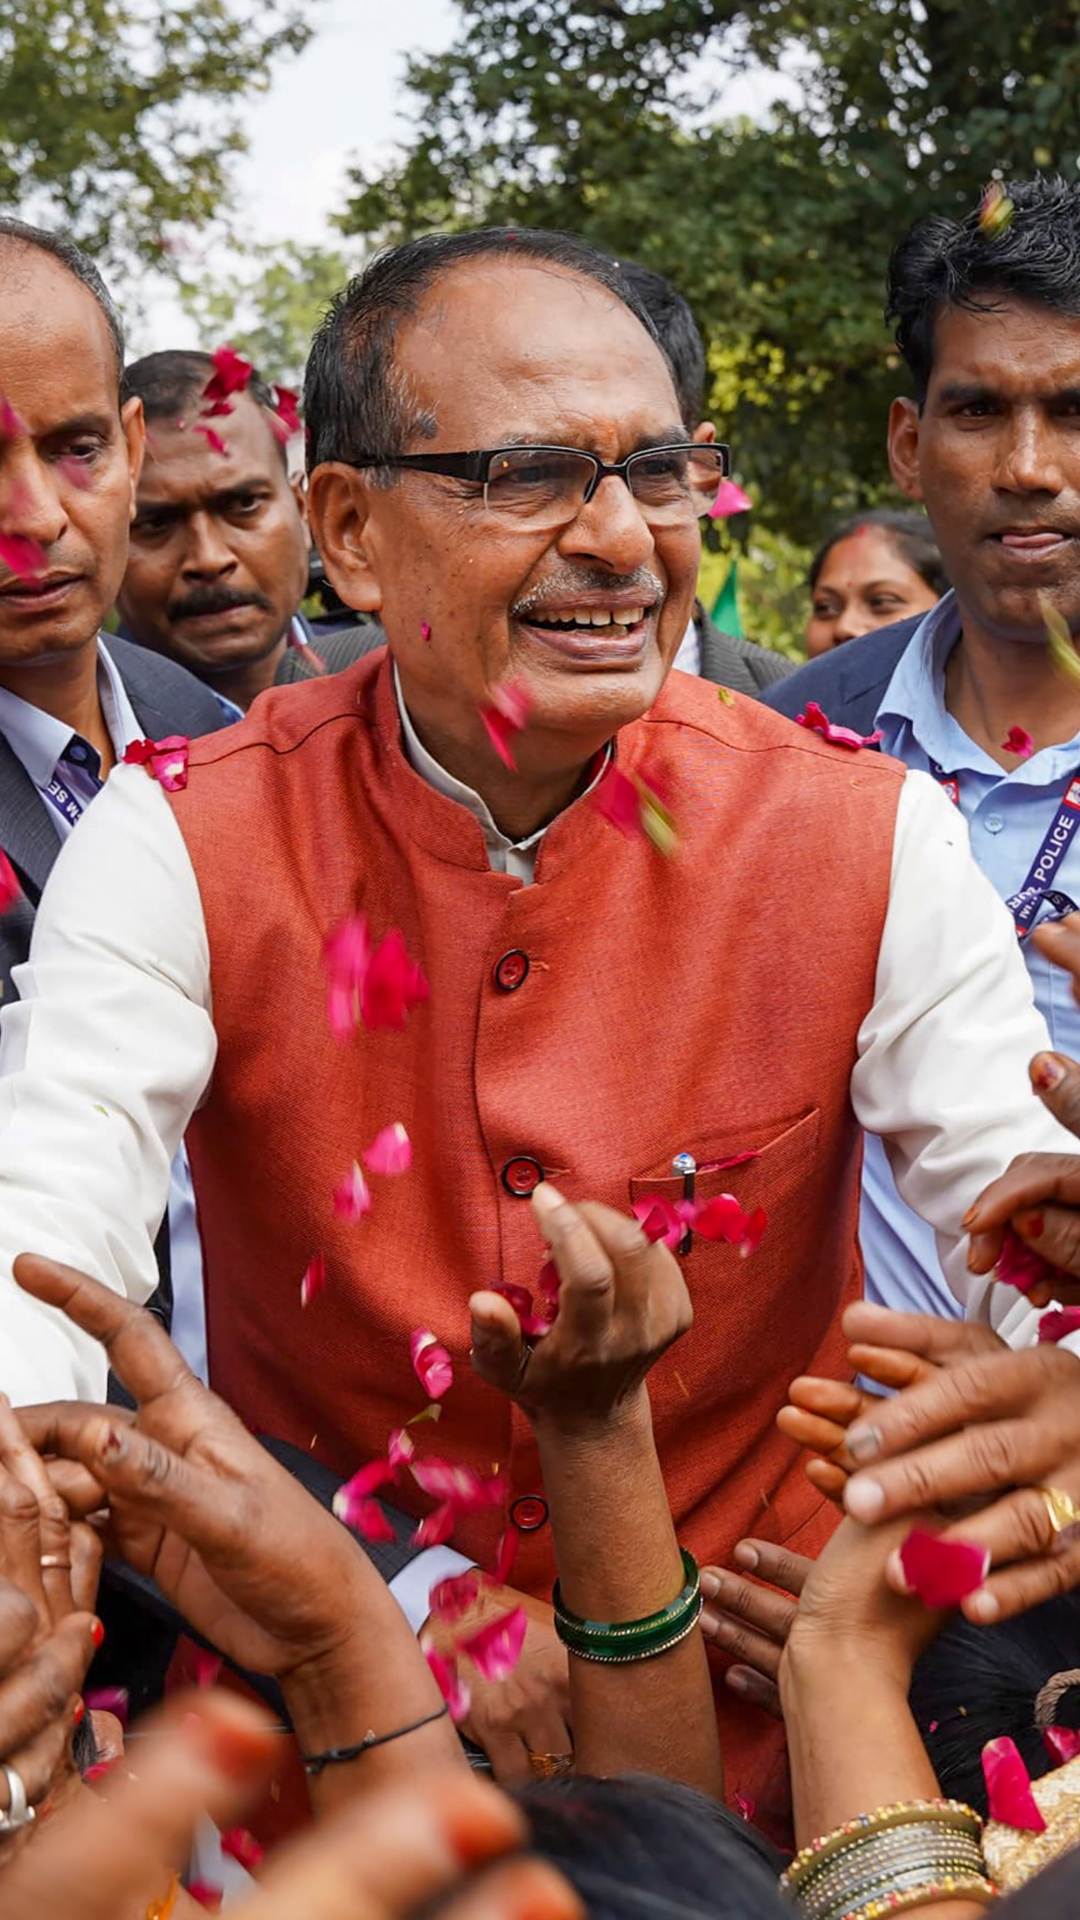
[[539, 1201]]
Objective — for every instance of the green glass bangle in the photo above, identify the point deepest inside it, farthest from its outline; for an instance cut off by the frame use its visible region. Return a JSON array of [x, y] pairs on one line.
[[615, 1634], [623, 1653]]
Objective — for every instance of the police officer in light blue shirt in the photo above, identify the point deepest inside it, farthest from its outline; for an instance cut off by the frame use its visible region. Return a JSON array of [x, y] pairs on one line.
[[988, 321]]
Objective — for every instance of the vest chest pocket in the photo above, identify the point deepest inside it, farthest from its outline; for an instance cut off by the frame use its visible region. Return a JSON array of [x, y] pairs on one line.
[[763, 1166]]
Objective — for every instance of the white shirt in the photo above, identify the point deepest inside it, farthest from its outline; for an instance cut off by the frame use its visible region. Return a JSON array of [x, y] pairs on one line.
[[688, 658], [38, 739]]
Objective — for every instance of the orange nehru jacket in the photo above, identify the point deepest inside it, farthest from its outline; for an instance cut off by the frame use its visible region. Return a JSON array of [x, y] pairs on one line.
[[706, 1003]]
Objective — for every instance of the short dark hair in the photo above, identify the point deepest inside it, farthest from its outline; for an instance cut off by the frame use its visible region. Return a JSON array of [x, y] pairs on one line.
[[170, 382], [677, 332], [638, 1848], [353, 400], [941, 263], [909, 533], [60, 248]]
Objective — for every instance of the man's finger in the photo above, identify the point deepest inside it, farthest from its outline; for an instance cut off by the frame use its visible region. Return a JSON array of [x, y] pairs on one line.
[[984, 1459], [889, 1367], [1056, 1080], [1033, 1179], [1053, 1232], [816, 1435], [751, 1686], [942, 1342], [587, 1292], [745, 1599], [165, 1487], [497, 1342], [836, 1402], [140, 1352], [742, 1643], [40, 1690], [778, 1565], [1059, 940], [983, 1389]]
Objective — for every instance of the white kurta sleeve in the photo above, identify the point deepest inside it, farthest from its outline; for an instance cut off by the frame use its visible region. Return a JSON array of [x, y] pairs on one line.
[[943, 1053], [103, 1060]]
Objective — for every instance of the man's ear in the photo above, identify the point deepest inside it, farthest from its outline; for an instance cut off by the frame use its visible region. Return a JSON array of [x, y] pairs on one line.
[[298, 489], [904, 425], [133, 424], [337, 504], [704, 435]]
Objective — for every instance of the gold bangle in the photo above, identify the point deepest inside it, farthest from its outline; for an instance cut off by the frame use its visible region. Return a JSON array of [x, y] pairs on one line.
[[949, 1813], [983, 1892], [161, 1909]]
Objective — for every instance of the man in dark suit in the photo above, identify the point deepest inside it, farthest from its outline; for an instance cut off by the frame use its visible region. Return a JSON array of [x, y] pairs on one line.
[[706, 650], [220, 548]]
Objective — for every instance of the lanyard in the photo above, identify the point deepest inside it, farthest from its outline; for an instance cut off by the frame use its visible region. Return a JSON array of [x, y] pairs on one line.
[[67, 804], [1025, 905]]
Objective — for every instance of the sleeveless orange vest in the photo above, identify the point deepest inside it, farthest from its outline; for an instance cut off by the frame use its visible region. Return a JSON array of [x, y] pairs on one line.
[[706, 1003]]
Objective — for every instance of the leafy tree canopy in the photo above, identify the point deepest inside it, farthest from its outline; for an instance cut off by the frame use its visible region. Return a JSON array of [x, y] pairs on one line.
[[601, 116], [117, 117], [270, 308]]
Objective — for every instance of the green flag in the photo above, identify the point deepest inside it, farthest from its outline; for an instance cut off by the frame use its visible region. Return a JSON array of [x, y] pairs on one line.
[[724, 611]]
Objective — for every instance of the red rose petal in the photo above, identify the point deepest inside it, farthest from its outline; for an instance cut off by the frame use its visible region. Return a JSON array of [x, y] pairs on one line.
[[393, 984], [818, 722], [114, 1700], [287, 408], [352, 1196], [314, 1279], [1061, 1743], [431, 1363], [942, 1572], [10, 890], [454, 1690], [204, 1895], [231, 374], [1058, 1323], [658, 1219], [1018, 740], [308, 654], [1020, 1266], [401, 1448], [390, 1151], [425, 630], [242, 1846], [1008, 1787], [722, 1218], [617, 799], [534, 1322], [506, 715], [362, 1515], [496, 1649], [505, 1555], [12, 424], [461, 1487], [213, 439], [166, 761], [436, 1529], [450, 1600], [25, 558]]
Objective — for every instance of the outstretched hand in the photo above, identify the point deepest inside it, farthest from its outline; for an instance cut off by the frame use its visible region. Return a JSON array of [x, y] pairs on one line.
[[238, 1546], [622, 1303]]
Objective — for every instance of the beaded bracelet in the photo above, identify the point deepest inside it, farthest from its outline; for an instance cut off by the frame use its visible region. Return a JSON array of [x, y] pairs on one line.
[[899, 1858], [620, 1642]]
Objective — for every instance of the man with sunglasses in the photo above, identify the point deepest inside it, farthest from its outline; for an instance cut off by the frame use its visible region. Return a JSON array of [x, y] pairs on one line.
[[659, 945]]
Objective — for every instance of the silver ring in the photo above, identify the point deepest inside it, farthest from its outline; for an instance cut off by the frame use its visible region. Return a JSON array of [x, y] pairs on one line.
[[18, 1814]]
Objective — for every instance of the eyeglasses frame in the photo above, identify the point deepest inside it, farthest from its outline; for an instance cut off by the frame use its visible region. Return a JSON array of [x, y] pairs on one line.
[[476, 465]]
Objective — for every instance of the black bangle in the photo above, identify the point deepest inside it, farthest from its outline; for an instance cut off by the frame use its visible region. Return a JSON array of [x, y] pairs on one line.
[[336, 1756]]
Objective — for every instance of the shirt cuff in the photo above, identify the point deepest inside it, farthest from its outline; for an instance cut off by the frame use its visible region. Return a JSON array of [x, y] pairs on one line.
[[411, 1587]]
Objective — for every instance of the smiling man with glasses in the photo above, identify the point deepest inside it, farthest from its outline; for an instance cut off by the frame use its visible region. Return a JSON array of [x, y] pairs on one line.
[[499, 472]]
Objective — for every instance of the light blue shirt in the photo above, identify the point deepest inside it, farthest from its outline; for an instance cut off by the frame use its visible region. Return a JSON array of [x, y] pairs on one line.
[[1008, 815], [39, 741]]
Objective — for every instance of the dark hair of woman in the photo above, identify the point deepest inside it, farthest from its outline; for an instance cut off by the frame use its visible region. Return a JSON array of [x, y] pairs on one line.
[[1017, 1678], [910, 533], [638, 1848]]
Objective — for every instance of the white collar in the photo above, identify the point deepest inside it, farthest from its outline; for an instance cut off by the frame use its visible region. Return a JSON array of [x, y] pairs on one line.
[[38, 739]]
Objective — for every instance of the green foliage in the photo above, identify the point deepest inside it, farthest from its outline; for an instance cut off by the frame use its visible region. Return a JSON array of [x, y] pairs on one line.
[[270, 308], [592, 115], [117, 116]]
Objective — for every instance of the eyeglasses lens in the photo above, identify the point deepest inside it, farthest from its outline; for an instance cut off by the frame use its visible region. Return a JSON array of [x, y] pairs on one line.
[[541, 488]]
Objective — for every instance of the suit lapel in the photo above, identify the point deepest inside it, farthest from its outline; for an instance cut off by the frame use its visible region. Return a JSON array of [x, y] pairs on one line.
[[27, 834]]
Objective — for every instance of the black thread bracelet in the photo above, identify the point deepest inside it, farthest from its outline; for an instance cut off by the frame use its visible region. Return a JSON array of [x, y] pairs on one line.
[[337, 1756]]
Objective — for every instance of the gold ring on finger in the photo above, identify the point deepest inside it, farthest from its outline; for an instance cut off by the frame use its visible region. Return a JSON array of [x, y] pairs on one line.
[[550, 1766], [1062, 1509], [51, 1560]]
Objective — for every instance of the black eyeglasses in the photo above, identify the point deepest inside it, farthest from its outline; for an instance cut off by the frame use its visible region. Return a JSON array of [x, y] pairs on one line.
[[542, 487]]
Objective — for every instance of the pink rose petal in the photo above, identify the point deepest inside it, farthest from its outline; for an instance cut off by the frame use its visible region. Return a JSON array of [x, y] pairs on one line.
[[462, 1487], [505, 1555], [746, 1806], [425, 630], [1018, 740], [455, 1691], [1058, 1323], [818, 722], [365, 1481], [506, 715], [436, 1529], [431, 1363], [496, 1649], [658, 1220], [722, 1218], [10, 890], [729, 499], [393, 984], [942, 1572], [25, 558], [363, 1516], [166, 761], [205, 1667], [1008, 1787], [308, 654], [617, 799], [287, 408], [1020, 1266], [213, 439], [535, 1322], [450, 1600], [242, 1846], [390, 1151], [352, 1197], [401, 1448], [114, 1700], [1061, 1743], [314, 1279], [204, 1895]]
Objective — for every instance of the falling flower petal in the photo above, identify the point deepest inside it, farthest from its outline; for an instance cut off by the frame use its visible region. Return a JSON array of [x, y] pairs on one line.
[[425, 630], [505, 715], [10, 890], [1061, 1743], [616, 797], [1062, 651], [308, 654], [165, 760], [460, 1487], [658, 1220], [431, 1363], [506, 1554], [942, 1572], [204, 1895], [496, 1649], [450, 1600], [12, 424], [352, 1196], [242, 1846], [535, 1322], [75, 472], [390, 1151], [1018, 740], [23, 557], [746, 1806], [818, 722], [346, 956], [231, 374], [401, 1448], [314, 1279], [454, 1690], [996, 210], [218, 410], [364, 1517], [729, 499], [656, 822], [548, 1285], [436, 1529], [393, 984], [431, 1412], [205, 1667], [1020, 1266], [1008, 1787], [722, 1218], [114, 1700], [213, 439], [287, 409], [365, 1481], [1058, 1323]]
